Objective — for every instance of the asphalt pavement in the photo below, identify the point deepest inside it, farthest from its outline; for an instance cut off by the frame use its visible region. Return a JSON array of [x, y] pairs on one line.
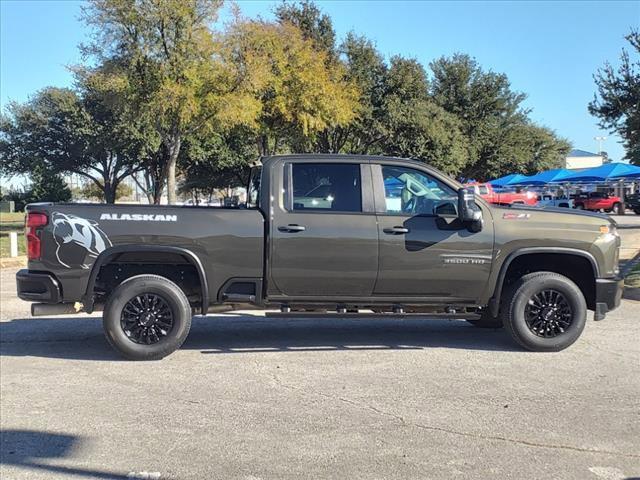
[[254, 398]]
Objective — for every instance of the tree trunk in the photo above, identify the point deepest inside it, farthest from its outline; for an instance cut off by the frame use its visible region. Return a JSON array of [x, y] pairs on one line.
[[173, 151], [110, 193]]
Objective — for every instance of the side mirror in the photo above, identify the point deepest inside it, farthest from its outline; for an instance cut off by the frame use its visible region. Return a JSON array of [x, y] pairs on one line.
[[468, 211]]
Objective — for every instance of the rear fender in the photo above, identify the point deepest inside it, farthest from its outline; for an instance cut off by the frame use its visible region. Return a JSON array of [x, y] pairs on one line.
[[110, 253]]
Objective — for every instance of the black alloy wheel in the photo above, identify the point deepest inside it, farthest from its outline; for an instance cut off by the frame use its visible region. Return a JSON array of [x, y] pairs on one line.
[[548, 313], [146, 319]]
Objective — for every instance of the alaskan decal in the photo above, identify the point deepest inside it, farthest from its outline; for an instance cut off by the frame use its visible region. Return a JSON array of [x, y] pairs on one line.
[[516, 216], [139, 217], [79, 240]]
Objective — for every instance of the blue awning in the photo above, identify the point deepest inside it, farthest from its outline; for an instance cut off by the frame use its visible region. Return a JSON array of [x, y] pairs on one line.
[[542, 178], [608, 171], [510, 179]]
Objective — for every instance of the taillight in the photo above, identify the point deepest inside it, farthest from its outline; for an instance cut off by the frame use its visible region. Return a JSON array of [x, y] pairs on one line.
[[33, 221]]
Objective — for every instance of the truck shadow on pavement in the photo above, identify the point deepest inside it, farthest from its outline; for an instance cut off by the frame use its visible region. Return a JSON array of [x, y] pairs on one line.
[[82, 338], [31, 450]]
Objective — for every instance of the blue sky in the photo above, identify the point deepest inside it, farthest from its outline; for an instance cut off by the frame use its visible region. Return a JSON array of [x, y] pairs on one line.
[[549, 50]]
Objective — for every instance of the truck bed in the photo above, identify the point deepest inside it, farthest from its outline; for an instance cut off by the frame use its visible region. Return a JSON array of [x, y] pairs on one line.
[[227, 241]]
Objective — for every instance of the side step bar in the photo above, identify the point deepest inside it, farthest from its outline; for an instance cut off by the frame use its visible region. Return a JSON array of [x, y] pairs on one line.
[[294, 314], [43, 309]]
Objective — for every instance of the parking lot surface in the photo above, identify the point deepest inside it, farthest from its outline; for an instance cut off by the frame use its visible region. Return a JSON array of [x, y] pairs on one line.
[[250, 397]]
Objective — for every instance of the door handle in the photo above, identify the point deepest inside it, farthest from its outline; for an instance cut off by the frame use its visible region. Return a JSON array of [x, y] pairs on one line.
[[292, 228], [396, 230]]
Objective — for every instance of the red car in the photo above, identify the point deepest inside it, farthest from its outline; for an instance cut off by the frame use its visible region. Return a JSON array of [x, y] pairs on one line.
[[486, 191], [598, 201]]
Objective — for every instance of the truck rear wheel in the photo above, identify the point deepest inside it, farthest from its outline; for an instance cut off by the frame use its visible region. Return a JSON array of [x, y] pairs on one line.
[[147, 317], [544, 312]]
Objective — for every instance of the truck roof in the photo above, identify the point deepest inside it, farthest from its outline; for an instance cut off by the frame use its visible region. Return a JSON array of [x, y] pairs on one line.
[[347, 157]]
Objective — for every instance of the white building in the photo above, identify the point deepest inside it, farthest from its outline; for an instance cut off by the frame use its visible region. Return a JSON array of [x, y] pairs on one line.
[[578, 159]]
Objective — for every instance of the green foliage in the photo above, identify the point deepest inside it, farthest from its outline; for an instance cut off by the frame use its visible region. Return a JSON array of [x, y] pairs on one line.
[[618, 105], [214, 162], [498, 135], [167, 97], [178, 74], [91, 192], [313, 24], [47, 186], [71, 131], [417, 127]]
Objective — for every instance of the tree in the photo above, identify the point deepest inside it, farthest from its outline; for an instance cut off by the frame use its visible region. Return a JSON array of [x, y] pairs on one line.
[[90, 191], [176, 71], [415, 126], [63, 131], [215, 162], [365, 67], [617, 103], [313, 24], [498, 134], [47, 186], [301, 93]]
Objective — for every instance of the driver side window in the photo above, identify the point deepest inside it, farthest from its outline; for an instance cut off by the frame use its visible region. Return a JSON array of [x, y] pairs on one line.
[[412, 192]]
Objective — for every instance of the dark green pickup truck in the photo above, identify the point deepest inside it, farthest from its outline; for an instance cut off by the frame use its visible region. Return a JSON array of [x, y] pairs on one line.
[[325, 235]]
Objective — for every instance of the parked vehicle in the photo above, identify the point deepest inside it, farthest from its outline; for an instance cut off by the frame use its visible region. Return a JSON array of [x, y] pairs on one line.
[[385, 234], [504, 196], [551, 200], [632, 201], [596, 201]]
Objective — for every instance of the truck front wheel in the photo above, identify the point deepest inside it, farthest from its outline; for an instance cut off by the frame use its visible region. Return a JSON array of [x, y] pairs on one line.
[[147, 317], [544, 312]]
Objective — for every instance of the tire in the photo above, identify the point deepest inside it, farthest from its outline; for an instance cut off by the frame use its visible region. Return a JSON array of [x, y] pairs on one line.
[[486, 321], [170, 326], [617, 209], [516, 302], [579, 206]]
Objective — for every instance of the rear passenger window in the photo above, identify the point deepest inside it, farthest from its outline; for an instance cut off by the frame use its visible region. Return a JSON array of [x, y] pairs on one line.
[[330, 187]]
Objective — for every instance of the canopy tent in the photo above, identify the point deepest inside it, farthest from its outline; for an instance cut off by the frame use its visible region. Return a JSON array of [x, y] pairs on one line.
[[608, 171], [542, 178], [510, 179]]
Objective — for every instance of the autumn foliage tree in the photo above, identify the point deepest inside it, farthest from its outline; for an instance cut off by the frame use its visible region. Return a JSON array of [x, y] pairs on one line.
[[175, 68]]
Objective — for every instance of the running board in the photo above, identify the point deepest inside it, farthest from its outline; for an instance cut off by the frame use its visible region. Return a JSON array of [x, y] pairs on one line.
[[434, 316]]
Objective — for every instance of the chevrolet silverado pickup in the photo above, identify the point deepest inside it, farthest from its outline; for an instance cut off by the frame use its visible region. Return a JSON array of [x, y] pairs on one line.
[[325, 235]]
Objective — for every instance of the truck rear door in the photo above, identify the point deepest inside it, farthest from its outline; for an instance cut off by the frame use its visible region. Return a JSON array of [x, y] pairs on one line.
[[323, 232]]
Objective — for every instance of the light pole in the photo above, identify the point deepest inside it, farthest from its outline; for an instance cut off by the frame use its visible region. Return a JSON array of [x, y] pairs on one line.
[[599, 140]]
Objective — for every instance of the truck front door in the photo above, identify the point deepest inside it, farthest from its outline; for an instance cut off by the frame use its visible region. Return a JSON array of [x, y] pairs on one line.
[[323, 233], [424, 249]]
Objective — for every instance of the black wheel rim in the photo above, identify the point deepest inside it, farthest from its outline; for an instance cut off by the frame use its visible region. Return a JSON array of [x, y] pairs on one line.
[[548, 314], [146, 319]]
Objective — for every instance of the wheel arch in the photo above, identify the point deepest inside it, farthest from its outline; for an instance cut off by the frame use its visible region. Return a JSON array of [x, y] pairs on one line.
[[566, 252], [111, 253]]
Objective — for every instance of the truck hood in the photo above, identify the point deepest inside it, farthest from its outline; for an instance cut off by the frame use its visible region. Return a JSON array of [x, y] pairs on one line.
[[569, 212]]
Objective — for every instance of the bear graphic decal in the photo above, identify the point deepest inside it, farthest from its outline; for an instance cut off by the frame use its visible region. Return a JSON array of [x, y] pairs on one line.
[[79, 240]]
